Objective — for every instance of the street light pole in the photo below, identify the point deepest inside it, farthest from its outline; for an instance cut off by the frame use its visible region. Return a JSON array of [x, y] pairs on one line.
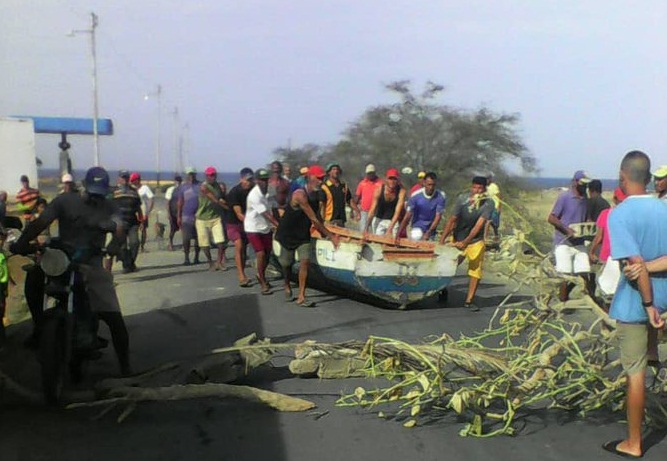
[[157, 134], [96, 137], [93, 47]]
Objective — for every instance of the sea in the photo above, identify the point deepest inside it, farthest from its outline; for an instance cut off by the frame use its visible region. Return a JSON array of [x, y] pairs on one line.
[[232, 177]]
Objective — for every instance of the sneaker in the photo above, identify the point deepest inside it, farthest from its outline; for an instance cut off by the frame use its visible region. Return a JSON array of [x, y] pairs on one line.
[[472, 307]]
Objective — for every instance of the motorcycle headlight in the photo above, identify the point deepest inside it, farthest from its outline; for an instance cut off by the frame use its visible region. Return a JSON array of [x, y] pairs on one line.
[[54, 262]]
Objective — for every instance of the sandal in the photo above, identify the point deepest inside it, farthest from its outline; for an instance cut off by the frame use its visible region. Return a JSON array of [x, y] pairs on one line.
[[259, 281], [306, 303], [289, 296], [266, 291], [245, 284], [612, 447]]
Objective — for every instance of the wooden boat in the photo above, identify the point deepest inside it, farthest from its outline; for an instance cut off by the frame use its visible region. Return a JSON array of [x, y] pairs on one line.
[[375, 267]]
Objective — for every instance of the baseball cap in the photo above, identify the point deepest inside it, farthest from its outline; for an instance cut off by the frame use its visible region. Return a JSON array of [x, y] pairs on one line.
[[581, 177], [67, 178], [370, 168], [262, 173], [317, 171], [190, 170], [246, 173], [210, 171], [421, 174], [331, 165], [135, 177], [97, 181], [123, 174], [303, 170], [661, 172], [393, 173]]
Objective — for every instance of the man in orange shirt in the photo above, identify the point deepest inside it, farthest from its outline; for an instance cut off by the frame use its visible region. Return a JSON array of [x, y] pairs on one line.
[[364, 195]]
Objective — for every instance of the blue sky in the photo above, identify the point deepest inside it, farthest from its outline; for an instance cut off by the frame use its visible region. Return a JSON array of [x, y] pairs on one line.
[[587, 77]]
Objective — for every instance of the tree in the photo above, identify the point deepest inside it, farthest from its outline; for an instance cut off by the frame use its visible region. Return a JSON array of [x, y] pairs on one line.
[[420, 132]]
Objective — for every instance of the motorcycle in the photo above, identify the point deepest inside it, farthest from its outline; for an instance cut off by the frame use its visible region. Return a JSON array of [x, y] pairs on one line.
[[66, 339]]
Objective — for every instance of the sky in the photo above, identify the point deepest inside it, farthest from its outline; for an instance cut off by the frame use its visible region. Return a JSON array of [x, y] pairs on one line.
[[247, 76]]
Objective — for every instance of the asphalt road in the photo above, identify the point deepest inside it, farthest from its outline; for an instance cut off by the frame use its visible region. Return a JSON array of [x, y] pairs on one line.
[[177, 313]]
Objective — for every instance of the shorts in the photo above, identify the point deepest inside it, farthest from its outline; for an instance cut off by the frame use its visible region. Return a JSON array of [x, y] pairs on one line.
[[215, 226], [608, 277], [572, 259], [633, 342], [189, 231], [474, 253], [236, 232], [261, 242], [286, 257], [382, 225], [100, 289]]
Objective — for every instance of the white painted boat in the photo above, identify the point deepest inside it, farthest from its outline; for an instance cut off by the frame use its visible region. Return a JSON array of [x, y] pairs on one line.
[[375, 267]]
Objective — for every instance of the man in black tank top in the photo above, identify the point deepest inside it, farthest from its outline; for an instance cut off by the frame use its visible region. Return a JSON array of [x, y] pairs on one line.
[[293, 233], [388, 203]]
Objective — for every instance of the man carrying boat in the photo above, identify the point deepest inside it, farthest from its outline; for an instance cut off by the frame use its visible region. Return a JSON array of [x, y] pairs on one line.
[[364, 194], [336, 197], [424, 210], [293, 233], [387, 206], [471, 213]]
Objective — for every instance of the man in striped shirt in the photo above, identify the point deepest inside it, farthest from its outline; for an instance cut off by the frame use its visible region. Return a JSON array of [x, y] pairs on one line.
[[27, 198]]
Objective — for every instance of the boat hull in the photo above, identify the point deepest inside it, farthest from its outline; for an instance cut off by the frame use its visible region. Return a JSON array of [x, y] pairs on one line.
[[369, 269]]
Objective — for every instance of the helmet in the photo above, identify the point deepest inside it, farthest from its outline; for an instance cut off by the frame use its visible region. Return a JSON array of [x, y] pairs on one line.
[[97, 181]]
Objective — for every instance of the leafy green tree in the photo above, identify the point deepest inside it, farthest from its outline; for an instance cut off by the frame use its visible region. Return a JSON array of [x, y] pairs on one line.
[[420, 132]]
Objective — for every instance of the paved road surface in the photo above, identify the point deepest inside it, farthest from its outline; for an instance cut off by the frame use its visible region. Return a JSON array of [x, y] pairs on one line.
[[178, 313]]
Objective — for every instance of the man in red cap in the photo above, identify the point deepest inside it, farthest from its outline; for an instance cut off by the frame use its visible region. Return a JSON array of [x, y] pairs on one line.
[[208, 218], [293, 233], [146, 195], [387, 205]]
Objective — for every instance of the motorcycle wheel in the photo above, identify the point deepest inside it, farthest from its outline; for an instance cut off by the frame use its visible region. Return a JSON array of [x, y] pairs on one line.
[[52, 355]]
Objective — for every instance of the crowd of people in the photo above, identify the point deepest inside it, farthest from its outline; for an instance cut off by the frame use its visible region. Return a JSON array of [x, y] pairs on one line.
[[268, 210], [265, 205], [629, 241]]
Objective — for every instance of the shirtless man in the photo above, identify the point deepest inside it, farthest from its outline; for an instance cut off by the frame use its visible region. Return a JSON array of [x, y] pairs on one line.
[[388, 202]]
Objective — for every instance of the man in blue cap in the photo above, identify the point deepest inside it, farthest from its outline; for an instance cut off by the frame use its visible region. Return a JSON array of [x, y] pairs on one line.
[[84, 220]]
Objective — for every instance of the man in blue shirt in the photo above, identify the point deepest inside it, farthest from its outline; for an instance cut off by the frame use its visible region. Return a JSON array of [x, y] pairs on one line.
[[636, 231], [424, 210]]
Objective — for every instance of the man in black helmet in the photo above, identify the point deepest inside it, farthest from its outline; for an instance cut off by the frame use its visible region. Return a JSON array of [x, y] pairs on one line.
[[84, 220]]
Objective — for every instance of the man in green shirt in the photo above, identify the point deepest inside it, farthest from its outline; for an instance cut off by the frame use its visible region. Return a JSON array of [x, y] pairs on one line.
[[208, 219]]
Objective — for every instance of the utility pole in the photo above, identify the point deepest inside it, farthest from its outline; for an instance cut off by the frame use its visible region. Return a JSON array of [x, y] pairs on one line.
[[96, 136], [178, 161], [93, 48], [157, 134]]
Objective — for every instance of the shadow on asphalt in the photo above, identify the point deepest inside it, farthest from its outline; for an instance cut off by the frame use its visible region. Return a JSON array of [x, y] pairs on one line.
[[206, 429]]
